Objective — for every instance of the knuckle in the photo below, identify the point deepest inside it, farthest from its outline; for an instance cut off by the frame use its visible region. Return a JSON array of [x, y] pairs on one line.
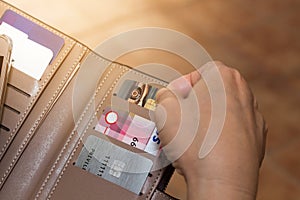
[[235, 74]]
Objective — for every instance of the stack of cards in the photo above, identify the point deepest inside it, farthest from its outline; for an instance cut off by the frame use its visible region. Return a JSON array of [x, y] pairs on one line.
[[115, 164], [128, 127]]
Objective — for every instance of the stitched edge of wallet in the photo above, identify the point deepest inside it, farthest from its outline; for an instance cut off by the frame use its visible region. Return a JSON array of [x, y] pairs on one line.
[[74, 131], [81, 118], [125, 68], [47, 78], [37, 122]]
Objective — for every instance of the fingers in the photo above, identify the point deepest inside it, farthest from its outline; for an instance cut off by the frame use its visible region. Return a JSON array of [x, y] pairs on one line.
[[179, 88], [171, 102], [167, 116], [160, 117], [182, 86]]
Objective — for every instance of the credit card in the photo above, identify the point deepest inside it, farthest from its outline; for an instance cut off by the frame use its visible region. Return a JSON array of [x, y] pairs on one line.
[[34, 47], [114, 164], [142, 94], [34, 31], [126, 127], [153, 145]]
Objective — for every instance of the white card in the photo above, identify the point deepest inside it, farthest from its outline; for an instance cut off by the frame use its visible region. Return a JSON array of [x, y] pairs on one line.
[[28, 56]]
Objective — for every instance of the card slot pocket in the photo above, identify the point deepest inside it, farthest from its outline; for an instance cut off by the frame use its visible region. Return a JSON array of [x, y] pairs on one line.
[[23, 91], [16, 98], [10, 116], [150, 183], [160, 164], [148, 141], [28, 85], [42, 35], [79, 184], [22, 82], [37, 108], [151, 180], [45, 143]]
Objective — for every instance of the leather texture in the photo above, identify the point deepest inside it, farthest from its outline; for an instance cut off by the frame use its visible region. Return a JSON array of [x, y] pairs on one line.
[[44, 133]]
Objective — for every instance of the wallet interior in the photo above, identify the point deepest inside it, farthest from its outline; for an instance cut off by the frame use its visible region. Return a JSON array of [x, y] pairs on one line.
[[46, 123]]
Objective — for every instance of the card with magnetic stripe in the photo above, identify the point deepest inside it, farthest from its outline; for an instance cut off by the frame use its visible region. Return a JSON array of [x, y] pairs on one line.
[[114, 164]]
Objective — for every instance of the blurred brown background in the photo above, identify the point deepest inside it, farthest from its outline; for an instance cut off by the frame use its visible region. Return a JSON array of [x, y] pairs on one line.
[[260, 38]]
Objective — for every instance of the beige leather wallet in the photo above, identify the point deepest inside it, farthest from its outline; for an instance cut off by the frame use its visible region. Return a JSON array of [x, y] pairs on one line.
[[48, 121]]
